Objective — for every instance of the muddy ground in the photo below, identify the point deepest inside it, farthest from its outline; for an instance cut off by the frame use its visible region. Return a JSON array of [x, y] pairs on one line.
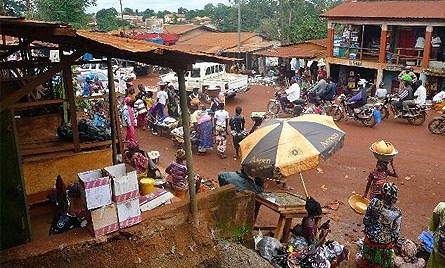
[[420, 165]]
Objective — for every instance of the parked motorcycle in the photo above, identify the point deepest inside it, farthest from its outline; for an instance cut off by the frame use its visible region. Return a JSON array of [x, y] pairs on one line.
[[437, 125], [415, 116], [364, 114], [295, 108]]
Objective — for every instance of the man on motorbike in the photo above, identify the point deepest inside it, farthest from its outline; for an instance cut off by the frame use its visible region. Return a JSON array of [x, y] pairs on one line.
[[359, 99], [406, 99], [420, 92], [292, 94], [318, 89], [329, 93]]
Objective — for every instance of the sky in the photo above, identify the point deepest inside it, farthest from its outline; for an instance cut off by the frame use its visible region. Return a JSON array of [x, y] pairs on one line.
[[157, 5]]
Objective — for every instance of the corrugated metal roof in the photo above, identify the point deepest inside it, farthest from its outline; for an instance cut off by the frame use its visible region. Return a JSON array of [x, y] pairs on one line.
[[304, 50], [389, 10], [221, 42], [182, 29]]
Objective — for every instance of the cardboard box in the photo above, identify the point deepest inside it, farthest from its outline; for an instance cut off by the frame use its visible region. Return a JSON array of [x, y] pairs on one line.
[[102, 221], [128, 213], [158, 198], [95, 188], [124, 182]]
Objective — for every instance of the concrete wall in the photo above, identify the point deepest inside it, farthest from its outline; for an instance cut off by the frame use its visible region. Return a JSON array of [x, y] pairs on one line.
[[165, 238]]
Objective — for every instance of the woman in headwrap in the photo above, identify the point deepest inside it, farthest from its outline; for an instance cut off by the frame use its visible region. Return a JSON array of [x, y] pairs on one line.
[[437, 225], [382, 229], [128, 119], [318, 253], [178, 172], [204, 129], [377, 178]]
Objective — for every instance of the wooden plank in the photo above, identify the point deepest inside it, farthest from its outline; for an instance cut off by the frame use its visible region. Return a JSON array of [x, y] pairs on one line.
[[69, 91], [25, 64], [112, 111], [16, 48], [14, 217], [24, 105], [20, 93]]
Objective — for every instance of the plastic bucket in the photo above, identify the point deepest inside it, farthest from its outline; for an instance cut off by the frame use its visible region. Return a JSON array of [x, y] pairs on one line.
[[180, 194], [147, 186]]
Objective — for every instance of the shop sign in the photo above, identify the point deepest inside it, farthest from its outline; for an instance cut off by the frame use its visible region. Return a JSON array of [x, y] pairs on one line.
[[355, 63], [394, 67]]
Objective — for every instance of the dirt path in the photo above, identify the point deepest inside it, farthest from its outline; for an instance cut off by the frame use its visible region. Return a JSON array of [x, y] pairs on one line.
[[421, 177]]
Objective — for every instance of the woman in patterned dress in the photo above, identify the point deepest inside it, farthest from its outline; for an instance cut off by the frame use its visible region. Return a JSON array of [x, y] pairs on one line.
[[382, 229], [377, 178]]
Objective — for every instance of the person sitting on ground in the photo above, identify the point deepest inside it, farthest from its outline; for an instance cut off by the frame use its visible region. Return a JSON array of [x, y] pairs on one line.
[[407, 258], [238, 132], [377, 178], [139, 160], [178, 174], [437, 225], [292, 94], [382, 229], [321, 253], [241, 181], [420, 93], [381, 92]]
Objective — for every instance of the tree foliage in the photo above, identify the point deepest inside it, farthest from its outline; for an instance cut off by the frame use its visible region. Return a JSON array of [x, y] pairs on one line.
[[148, 13], [106, 20], [72, 11], [13, 7]]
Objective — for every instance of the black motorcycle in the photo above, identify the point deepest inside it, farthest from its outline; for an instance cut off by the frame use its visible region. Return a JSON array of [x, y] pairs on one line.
[[295, 108], [364, 114], [416, 114], [437, 125]]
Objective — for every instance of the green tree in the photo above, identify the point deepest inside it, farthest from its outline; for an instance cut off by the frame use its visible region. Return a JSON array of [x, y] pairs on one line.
[[128, 11], [147, 13], [13, 7], [182, 10], [106, 20], [72, 12], [161, 14]]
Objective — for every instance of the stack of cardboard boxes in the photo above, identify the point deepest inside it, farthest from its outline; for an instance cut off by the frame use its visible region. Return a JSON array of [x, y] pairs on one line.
[[111, 196]]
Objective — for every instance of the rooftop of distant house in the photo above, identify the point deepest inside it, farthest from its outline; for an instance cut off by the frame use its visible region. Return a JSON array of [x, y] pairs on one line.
[[389, 10]]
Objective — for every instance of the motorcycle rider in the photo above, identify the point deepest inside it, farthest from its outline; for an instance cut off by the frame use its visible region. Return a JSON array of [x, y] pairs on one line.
[[420, 93], [317, 90], [329, 93], [359, 99], [406, 99], [292, 94]]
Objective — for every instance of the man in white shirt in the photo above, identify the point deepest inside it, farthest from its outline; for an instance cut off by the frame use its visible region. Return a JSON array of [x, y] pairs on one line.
[[292, 94], [162, 99], [435, 45], [439, 97], [420, 42], [420, 93], [381, 92]]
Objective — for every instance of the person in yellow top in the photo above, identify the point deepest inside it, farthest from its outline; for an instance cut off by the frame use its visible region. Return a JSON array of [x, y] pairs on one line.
[[437, 225]]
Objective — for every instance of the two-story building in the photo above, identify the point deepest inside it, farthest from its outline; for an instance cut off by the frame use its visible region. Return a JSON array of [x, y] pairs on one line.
[[376, 40]]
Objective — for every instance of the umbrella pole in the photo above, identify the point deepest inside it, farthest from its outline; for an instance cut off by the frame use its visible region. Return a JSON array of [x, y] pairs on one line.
[[304, 186]]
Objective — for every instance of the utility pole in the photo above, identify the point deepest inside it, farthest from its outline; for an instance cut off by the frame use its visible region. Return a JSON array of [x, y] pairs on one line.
[[281, 22], [29, 9], [239, 25], [122, 17]]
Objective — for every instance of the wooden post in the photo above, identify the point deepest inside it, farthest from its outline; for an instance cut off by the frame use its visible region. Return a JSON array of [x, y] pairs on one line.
[[15, 226], [188, 146], [112, 112], [68, 86], [362, 41], [330, 39], [382, 51], [427, 48]]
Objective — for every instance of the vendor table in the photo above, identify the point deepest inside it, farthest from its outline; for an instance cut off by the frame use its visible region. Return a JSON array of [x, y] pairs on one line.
[[288, 205]]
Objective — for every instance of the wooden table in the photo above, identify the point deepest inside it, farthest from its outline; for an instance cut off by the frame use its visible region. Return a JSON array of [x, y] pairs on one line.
[[288, 205]]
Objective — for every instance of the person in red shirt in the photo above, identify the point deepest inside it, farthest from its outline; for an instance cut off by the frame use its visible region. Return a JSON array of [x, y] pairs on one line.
[[322, 71]]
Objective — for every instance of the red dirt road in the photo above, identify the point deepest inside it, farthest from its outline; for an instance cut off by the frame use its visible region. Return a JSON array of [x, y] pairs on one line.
[[420, 165]]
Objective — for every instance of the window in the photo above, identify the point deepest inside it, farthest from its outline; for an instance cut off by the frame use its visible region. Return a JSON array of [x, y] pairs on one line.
[[208, 71], [196, 72], [221, 68]]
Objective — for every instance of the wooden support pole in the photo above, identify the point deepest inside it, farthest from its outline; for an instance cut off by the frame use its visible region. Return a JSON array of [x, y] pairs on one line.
[[330, 40], [15, 226], [382, 51], [20, 93], [112, 112], [188, 147], [69, 91], [427, 48]]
